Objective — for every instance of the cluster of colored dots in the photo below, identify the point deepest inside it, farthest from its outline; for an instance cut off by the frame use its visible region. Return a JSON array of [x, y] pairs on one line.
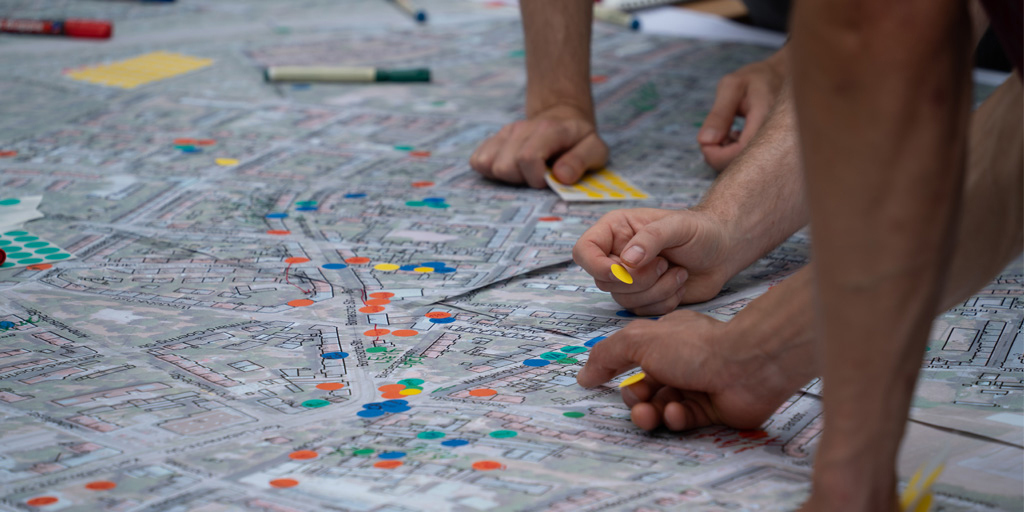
[[100, 485], [378, 332], [440, 317], [424, 268], [192, 145], [375, 409], [29, 249], [404, 387], [429, 202], [317, 403], [562, 356], [413, 152]]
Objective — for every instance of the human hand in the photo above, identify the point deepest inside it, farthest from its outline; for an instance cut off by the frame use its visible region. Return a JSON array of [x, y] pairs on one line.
[[675, 257], [520, 151], [748, 92], [700, 372]]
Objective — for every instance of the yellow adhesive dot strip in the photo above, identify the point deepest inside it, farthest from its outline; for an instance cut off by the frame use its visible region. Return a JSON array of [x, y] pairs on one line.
[[621, 273], [141, 70], [601, 185], [633, 380]]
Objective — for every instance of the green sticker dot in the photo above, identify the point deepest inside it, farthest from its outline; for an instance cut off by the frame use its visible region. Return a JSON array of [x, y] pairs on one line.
[[435, 204], [305, 203], [61, 256], [552, 356], [374, 350], [573, 350], [315, 404], [4, 242], [415, 204], [7, 264], [403, 148], [15, 233], [40, 243], [9, 201], [46, 250], [363, 452], [411, 382], [30, 261], [504, 434], [26, 239], [567, 360], [430, 434], [573, 414], [19, 255]]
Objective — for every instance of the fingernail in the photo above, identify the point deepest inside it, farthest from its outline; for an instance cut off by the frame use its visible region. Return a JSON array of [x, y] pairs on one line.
[[707, 136], [681, 277], [633, 255], [564, 174], [662, 267]]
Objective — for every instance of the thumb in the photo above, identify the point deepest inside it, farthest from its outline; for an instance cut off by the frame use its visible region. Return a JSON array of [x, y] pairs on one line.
[[589, 153], [667, 232]]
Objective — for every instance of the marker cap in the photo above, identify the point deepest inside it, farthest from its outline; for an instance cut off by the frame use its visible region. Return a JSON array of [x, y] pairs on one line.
[[88, 28], [403, 75]]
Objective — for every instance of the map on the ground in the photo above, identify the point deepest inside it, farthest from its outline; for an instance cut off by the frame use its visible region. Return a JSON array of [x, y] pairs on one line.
[[299, 297]]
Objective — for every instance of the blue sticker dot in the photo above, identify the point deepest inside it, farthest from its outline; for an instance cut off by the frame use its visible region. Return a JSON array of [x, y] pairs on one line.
[[408, 268], [306, 209], [434, 200], [393, 408], [454, 442], [374, 405], [6, 324], [536, 362], [593, 341], [392, 455], [335, 355], [442, 320], [357, 195], [438, 205], [190, 149], [335, 266], [276, 215], [625, 314], [434, 264], [651, 317], [370, 413], [396, 402], [444, 270]]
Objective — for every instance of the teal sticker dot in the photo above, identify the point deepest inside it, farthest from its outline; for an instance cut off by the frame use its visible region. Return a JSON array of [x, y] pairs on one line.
[[4, 242], [19, 255], [504, 434], [315, 404], [30, 261], [430, 434], [411, 382], [15, 233], [46, 250], [552, 356], [61, 256], [9, 201], [13, 248], [567, 360], [415, 204], [573, 350], [7, 264], [374, 350], [40, 243], [26, 239], [573, 414], [404, 148]]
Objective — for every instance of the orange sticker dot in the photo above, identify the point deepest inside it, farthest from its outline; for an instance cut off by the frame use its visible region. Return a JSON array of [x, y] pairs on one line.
[[40, 266], [278, 232], [371, 309], [487, 465], [303, 455], [419, 154], [482, 392], [298, 303], [392, 395], [404, 333], [376, 332], [391, 388], [357, 260], [438, 314], [382, 295], [422, 184], [101, 485], [41, 501], [284, 483], [206, 142], [296, 259], [184, 142], [330, 386], [377, 302], [6, 154], [549, 219], [387, 464]]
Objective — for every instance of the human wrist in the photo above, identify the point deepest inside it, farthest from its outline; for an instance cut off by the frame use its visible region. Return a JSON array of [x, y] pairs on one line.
[[561, 108]]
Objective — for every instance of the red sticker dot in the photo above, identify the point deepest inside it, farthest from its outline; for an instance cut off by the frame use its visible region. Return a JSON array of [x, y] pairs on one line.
[[284, 483], [298, 303], [371, 309], [303, 455], [206, 142], [296, 259], [41, 501], [387, 464], [382, 295], [377, 302], [184, 142], [377, 332], [357, 260], [391, 388], [405, 333], [392, 395], [550, 219], [438, 314], [482, 392], [7, 154], [487, 465], [330, 386], [101, 485], [40, 266], [422, 184], [278, 232], [419, 154]]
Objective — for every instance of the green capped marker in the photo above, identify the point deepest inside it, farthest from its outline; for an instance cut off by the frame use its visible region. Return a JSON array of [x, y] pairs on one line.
[[343, 74]]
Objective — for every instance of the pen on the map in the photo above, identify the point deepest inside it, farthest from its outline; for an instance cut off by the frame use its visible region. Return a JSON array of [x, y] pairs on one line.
[[94, 29], [609, 15], [417, 14], [344, 74]]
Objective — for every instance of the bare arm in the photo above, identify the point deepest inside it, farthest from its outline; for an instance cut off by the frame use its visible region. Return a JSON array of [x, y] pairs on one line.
[[882, 96]]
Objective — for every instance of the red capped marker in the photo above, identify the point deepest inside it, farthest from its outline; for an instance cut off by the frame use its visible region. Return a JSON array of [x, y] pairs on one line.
[[93, 29]]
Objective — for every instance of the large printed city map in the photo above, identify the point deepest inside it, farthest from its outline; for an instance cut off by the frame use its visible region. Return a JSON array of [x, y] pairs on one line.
[[226, 294]]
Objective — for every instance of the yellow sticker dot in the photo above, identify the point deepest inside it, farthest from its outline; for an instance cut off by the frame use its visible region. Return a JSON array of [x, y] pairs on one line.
[[423, 269], [410, 391], [226, 162], [632, 380], [621, 273], [386, 266]]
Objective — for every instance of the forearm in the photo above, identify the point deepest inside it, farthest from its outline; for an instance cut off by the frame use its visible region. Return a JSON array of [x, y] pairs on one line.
[[760, 197], [557, 54], [884, 189]]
